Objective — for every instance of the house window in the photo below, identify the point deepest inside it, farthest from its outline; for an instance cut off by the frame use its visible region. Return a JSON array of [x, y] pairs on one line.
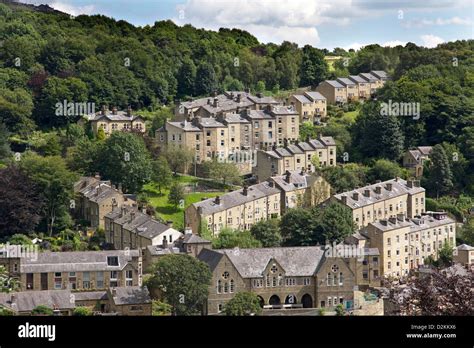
[[226, 288], [225, 275], [307, 281], [219, 286], [136, 308], [232, 286], [219, 308], [99, 279], [86, 277], [129, 278], [341, 279], [112, 261], [329, 280]]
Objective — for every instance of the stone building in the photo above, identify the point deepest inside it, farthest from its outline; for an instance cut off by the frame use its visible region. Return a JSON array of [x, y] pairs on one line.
[[78, 270], [114, 120], [383, 200], [220, 104], [415, 159], [94, 198], [232, 136], [311, 106], [405, 243], [128, 227], [298, 156], [464, 254], [293, 277]]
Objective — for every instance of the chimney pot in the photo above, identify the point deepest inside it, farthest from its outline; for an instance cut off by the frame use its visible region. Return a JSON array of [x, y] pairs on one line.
[[245, 190]]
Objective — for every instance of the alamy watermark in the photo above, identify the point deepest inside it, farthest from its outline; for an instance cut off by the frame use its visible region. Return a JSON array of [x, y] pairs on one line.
[[409, 109], [29, 252], [344, 251], [67, 108]]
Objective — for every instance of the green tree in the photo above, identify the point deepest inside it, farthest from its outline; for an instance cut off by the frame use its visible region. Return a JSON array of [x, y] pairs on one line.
[[82, 311], [42, 310], [186, 77], [346, 177], [260, 87], [183, 282], [229, 238], [20, 239], [125, 160], [206, 79], [445, 255], [296, 229], [176, 194], [159, 308], [267, 232], [178, 158], [162, 174], [439, 178], [314, 68], [5, 150], [384, 170], [332, 223], [7, 283], [55, 182], [227, 172], [243, 304], [339, 310]]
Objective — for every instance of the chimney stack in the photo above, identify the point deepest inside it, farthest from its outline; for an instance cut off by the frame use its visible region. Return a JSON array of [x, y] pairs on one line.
[[114, 111], [389, 186], [393, 220], [104, 109], [165, 242], [114, 292], [245, 190], [216, 102], [344, 199], [269, 108], [367, 193], [217, 200], [355, 196], [239, 98], [287, 176], [129, 111], [132, 216], [410, 183], [378, 190]]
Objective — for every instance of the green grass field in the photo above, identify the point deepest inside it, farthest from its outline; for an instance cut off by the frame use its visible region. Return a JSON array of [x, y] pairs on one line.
[[167, 211]]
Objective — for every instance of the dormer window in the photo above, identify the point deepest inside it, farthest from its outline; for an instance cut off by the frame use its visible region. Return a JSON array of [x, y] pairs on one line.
[[112, 261]]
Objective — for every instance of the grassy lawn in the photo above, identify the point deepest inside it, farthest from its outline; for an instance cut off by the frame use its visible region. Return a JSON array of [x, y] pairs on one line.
[[166, 210]]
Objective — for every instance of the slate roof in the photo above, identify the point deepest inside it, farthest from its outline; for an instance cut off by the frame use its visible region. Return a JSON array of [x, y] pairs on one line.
[[210, 122], [262, 100], [295, 261], [119, 116], [380, 74], [334, 83], [415, 224], [297, 181], [345, 81], [357, 79], [294, 149], [191, 238], [281, 151], [131, 295], [328, 141], [284, 110], [464, 247], [300, 147], [368, 77], [302, 99], [186, 126], [95, 190], [305, 146], [156, 250], [26, 301], [258, 115], [315, 95], [235, 118], [236, 198], [399, 188], [90, 295], [211, 257], [76, 261]]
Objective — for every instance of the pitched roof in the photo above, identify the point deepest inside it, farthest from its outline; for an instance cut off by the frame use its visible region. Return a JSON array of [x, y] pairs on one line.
[[380, 74], [334, 83], [294, 149], [296, 261], [464, 247], [234, 118], [283, 110], [191, 238], [328, 141], [399, 188], [345, 81], [211, 257], [90, 295], [314, 95], [302, 99], [76, 261], [26, 301], [130, 295], [184, 125], [368, 77], [119, 116], [297, 181], [357, 79], [236, 198], [210, 122]]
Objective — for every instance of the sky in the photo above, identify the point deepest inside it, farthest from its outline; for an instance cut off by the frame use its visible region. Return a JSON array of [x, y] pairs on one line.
[[320, 23]]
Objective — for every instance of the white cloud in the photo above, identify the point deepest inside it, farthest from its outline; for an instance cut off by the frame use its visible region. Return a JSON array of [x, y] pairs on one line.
[[65, 6], [269, 20], [355, 46], [418, 23], [431, 40], [394, 43]]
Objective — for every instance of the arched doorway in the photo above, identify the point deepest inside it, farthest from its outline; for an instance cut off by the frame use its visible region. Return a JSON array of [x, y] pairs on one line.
[[261, 301], [290, 299], [307, 301], [274, 300]]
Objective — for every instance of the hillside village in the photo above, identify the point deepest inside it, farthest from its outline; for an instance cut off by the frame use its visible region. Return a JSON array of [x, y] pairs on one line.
[[300, 201]]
